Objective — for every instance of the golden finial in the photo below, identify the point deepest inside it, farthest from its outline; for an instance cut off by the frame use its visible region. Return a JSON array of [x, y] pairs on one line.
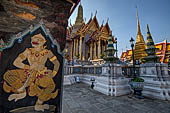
[[138, 25], [102, 22], [148, 28], [96, 13], [91, 15], [107, 20]]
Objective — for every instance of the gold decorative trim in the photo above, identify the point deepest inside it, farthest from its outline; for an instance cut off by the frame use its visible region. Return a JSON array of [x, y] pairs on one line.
[[54, 73], [53, 58]]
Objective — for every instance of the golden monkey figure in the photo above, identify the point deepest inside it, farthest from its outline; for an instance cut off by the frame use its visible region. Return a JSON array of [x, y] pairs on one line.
[[35, 77]]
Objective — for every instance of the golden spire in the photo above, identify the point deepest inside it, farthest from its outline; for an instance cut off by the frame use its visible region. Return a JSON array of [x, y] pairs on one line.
[[140, 46], [139, 37], [79, 18], [138, 25]]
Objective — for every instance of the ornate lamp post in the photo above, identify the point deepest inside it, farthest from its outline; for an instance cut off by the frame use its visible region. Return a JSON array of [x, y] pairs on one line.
[[132, 45], [137, 83], [116, 46], [169, 61]]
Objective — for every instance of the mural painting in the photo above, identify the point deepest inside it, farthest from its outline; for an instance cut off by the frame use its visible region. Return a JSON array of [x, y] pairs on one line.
[[31, 58], [32, 80]]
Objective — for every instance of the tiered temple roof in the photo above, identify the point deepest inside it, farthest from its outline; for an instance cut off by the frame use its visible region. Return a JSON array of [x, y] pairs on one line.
[[89, 40], [92, 27], [163, 51]]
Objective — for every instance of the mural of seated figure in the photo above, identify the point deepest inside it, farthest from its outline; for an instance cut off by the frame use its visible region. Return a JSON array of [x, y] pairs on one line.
[[36, 78]]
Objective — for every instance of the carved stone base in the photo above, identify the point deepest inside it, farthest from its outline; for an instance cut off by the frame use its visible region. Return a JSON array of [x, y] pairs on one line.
[[156, 81], [112, 87], [157, 89], [112, 82]]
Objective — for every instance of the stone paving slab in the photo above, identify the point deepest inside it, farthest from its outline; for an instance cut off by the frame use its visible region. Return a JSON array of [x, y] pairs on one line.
[[80, 98]]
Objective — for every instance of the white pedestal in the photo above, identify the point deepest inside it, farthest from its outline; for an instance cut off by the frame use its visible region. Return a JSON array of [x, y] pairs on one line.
[[156, 81], [112, 82]]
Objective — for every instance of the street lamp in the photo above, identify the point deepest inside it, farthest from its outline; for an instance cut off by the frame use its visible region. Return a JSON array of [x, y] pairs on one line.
[[132, 45], [116, 46]]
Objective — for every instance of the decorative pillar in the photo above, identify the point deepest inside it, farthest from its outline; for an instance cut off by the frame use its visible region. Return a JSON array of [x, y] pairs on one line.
[[71, 50], [84, 50], [80, 48], [74, 49], [94, 50], [91, 50], [99, 49], [104, 45], [77, 44]]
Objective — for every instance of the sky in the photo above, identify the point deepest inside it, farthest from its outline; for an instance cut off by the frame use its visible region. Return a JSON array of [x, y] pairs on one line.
[[123, 21]]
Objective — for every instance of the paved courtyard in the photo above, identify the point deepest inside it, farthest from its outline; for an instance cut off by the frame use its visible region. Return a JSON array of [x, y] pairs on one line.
[[80, 98]]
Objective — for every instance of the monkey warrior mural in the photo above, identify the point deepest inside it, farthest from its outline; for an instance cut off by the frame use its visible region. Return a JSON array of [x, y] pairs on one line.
[[31, 62], [35, 76], [32, 74]]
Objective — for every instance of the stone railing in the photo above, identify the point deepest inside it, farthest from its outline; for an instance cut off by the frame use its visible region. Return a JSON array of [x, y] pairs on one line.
[[127, 70], [79, 62], [97, 70], [86, 69]]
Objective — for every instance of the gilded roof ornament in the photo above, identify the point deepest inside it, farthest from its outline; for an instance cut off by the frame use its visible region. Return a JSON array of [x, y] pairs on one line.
[[138, 24]]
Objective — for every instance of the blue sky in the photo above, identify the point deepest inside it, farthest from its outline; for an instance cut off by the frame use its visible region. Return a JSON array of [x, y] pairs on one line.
[[122, 18]]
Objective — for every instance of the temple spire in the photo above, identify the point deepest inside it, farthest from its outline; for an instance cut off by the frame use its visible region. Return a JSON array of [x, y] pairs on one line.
[[138, 25], [150, 49], [79, 18], [150, 43], [140, 46]]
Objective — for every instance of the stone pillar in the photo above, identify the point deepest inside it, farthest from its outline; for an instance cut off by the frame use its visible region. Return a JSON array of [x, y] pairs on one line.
[[156, 80], [99, 49], [80, 48], [94, 51]]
